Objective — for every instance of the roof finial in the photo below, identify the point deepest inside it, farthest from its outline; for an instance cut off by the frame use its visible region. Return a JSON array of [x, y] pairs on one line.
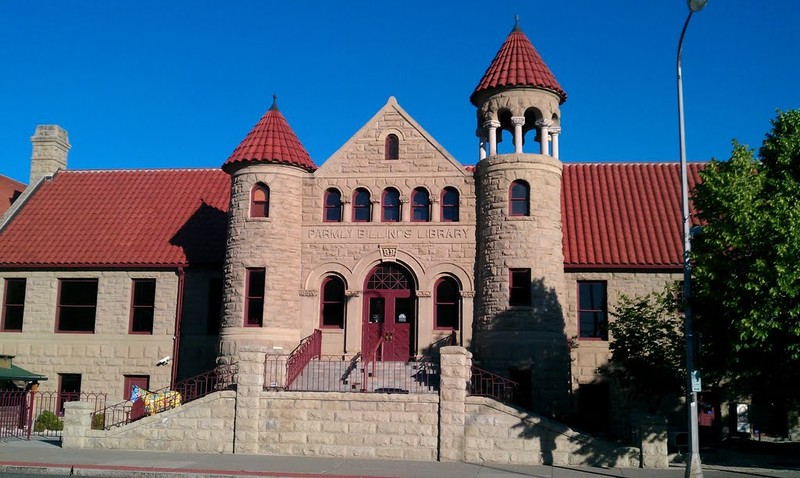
[[516, 28], [274, 106]]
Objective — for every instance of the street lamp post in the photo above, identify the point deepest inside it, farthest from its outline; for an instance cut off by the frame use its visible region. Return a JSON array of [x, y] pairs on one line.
[[693, 466]]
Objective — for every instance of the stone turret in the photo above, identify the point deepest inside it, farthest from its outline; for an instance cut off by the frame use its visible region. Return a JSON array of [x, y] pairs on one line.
[[263, 256], [519, 322], [50, 148]]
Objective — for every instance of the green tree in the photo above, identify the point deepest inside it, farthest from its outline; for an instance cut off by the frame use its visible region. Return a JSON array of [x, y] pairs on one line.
[[647, 347], [747, 268]]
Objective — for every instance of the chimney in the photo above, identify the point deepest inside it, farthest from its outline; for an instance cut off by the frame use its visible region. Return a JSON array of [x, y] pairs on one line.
[[50, 147]]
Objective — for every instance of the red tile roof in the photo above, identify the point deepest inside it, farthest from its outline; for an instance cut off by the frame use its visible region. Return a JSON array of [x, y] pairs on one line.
[[271, 141], [623, 215], [518, 64], [9, 191], [142, 218]]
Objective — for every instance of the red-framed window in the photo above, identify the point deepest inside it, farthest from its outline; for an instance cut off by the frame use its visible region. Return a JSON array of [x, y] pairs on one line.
[[77, 305], [420, 205], [332, 303], [143, 306], [214, 306], [333, 206], [519, 195], [13, 305], [254, 297], [390, 205], [449, 203], [259, 201], [392, 147], [519, 287], [362, 206], [592, 310], [447, 304]]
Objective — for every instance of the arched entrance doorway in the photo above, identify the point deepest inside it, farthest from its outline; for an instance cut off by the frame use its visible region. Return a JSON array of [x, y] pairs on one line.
[[389, 312]]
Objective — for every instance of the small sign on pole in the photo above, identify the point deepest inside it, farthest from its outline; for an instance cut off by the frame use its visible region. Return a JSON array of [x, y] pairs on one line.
[[697, 385]]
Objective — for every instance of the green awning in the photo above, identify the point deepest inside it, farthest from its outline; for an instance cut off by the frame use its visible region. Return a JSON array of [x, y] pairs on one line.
[[19, 373]]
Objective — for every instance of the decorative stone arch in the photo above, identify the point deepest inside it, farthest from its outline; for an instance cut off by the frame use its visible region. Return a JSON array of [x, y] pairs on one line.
[[315, 277], [384, 133], [446, 268], [369, 261]]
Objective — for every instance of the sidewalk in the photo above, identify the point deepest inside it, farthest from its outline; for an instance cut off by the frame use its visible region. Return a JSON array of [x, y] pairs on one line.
[[47, 457]]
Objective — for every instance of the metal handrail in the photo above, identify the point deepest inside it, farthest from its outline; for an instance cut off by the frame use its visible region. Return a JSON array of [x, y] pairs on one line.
[[487, 384], [190, 389], [308, 349]]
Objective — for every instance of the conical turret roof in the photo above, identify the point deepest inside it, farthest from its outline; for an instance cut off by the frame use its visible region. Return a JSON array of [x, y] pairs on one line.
[[518, 64], [271, 141]]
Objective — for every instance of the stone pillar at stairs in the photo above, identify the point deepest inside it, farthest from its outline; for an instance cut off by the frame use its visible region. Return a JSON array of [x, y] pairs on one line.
[[77, 422], [249, 385], [456, 365]]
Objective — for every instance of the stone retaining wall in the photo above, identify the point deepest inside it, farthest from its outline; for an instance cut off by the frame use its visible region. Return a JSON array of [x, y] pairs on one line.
[[497, 433], [349, 425], [202, 426], [450, 427]]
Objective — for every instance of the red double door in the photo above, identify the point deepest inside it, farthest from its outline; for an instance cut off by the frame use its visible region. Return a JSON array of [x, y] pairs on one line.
[[389, 313]]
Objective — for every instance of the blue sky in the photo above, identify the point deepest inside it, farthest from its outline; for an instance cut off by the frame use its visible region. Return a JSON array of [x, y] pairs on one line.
[[154, 84]]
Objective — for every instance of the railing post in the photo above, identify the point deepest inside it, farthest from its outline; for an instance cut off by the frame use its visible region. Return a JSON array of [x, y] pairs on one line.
[[456, 363]]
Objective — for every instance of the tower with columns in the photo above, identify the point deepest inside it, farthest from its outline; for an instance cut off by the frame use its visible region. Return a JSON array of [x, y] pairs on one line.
[[519, 322]]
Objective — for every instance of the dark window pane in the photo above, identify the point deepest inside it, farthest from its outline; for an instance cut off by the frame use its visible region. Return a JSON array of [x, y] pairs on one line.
[[391, 205], [392, 147], [520, 287], [447, 316], [255, 297], [78, 292], [15, 291], [142, 320], [144, 292], [257, 277], [255, 311], [592, 313], [361, 206], [13, 318], [333, 206], [76, 319]]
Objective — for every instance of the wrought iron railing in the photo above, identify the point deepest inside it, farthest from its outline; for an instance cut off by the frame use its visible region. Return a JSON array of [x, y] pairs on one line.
[[23, 413], [308, 349], [487, 384], [221, 378], [337, 373]]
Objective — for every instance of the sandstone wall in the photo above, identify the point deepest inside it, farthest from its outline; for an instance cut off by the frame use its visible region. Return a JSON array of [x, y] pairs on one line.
[[349, 425], [101, 358], [496, 433], [202, 426]]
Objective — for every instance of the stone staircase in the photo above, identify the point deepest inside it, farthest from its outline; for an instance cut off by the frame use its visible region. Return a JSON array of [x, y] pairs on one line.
[[379, 377]]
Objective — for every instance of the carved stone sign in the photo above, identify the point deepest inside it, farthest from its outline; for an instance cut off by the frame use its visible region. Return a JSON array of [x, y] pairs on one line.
[[404, 234]]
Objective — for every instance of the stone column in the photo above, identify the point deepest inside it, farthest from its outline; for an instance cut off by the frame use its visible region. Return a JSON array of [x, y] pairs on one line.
[[77, 422], [544, 135], [347, 210], [249, 385], [554, 132], [405, 209], [492, 126], [482, 135], [456, 365], [436, 208], [518, 121], [375, 209], [653, 434]]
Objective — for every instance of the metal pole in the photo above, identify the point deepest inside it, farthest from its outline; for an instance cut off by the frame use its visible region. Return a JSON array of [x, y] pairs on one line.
[[693, 464]]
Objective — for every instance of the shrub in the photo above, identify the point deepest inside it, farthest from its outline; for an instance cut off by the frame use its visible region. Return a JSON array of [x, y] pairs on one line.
[[98, 421], [48, 420]]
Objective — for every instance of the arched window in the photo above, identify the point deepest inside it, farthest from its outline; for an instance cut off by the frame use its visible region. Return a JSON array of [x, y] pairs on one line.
[[259, 201], [392, 147], [447, 302], [333, 206], [332, 303], [519, 195], [449, 203], [362, 206], [420, 205], [391, 205]]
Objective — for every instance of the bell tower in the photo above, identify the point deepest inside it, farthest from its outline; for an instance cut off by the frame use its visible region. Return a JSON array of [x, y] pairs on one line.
[[520, 318]]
